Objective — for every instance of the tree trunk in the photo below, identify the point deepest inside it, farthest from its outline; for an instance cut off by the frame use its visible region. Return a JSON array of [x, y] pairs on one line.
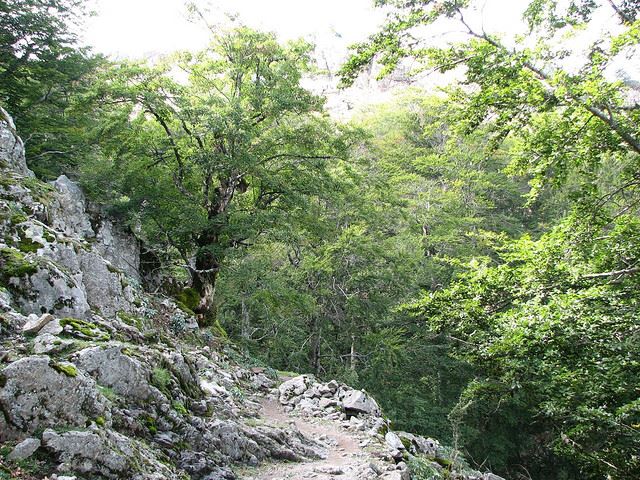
[[204, 282], [205, 274], [244, 332], [353, 361], [314, 344]]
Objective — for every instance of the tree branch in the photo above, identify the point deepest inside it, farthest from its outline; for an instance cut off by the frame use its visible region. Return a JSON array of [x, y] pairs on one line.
[[629, 139], [613, 273]]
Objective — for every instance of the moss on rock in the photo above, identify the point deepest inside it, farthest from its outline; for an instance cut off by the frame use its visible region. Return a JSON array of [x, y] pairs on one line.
[[14, 264], [66, 368], [85, 329]]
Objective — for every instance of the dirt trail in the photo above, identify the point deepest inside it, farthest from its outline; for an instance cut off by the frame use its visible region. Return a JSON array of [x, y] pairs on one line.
[[345, 460]]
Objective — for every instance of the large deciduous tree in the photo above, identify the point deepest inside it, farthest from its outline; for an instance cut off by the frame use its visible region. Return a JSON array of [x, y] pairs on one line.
[[228, 144]]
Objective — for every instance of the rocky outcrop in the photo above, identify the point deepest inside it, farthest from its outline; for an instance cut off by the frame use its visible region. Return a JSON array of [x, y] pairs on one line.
[[37, 392], [11, 146], [106, 453], [67, 210]]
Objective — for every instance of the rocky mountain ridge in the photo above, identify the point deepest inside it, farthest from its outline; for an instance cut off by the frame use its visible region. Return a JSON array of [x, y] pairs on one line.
[[102, 379]]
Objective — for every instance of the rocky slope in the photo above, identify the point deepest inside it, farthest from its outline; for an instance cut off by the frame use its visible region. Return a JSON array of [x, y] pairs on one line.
[[101, 379]]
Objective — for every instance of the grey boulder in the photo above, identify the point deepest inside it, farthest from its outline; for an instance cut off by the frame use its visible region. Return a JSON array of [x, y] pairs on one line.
[[37, 393]]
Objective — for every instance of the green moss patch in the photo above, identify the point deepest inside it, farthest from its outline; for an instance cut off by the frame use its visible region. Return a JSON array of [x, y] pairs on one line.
[[14, 264], [84, 329], [26, 245], [66, 368], [179, 407], [40, 191], [18, 217], [160, 378], [188, 300], [131, 320]]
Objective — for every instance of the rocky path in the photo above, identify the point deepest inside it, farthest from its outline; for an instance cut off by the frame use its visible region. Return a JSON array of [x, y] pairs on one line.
[[346, 456]]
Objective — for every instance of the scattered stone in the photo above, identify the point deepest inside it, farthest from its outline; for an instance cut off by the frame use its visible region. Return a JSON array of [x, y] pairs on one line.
[[47, 343], [329, 470], [393, 441], [53, 327], [24, 449], [34, 323], [357, 401]]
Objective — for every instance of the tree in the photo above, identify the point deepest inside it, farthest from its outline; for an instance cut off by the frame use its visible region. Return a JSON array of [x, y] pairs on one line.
[[544, 323], [566, 121], [217, 159], [41, 68]]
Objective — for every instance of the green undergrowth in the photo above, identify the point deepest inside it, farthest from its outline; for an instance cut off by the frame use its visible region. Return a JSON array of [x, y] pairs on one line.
[[131, 320], [187, 300], [179, 407], [108, 393]]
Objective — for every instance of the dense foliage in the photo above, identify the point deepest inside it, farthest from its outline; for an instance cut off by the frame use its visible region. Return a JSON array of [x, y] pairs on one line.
[[41, 69], [471, 258], [548, 327], [208, 163]]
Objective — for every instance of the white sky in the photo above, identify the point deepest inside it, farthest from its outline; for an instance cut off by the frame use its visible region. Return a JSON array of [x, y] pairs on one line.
[[142, 28], [136, 28]]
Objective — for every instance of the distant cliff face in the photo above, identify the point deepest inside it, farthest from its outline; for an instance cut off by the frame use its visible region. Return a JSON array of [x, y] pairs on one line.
[[342, 104]]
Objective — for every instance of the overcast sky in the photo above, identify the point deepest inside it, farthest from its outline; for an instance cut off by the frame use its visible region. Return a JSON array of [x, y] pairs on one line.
[[135, 28]]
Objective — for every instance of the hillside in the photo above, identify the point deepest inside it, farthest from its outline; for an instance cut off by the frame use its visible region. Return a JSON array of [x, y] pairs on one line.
[[100, 378]]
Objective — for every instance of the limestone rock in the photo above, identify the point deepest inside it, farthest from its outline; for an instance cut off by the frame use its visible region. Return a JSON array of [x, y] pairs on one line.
[[11, 146], [127, 376], [47, 343], [293, 388], [119, 248], [106, 453], [24, 449], [53, 289], [34, 325], [393, 441], [36, 393], [107, 289], [357, 401], [67, 212], [53, 328], [396, 475]]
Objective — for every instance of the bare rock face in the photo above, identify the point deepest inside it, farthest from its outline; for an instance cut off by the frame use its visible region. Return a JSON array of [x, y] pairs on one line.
[[52, 289], [67, 211], [11, 146], [105, 453], [36, 392], [120, 248], [108, 289], [127, 376]]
